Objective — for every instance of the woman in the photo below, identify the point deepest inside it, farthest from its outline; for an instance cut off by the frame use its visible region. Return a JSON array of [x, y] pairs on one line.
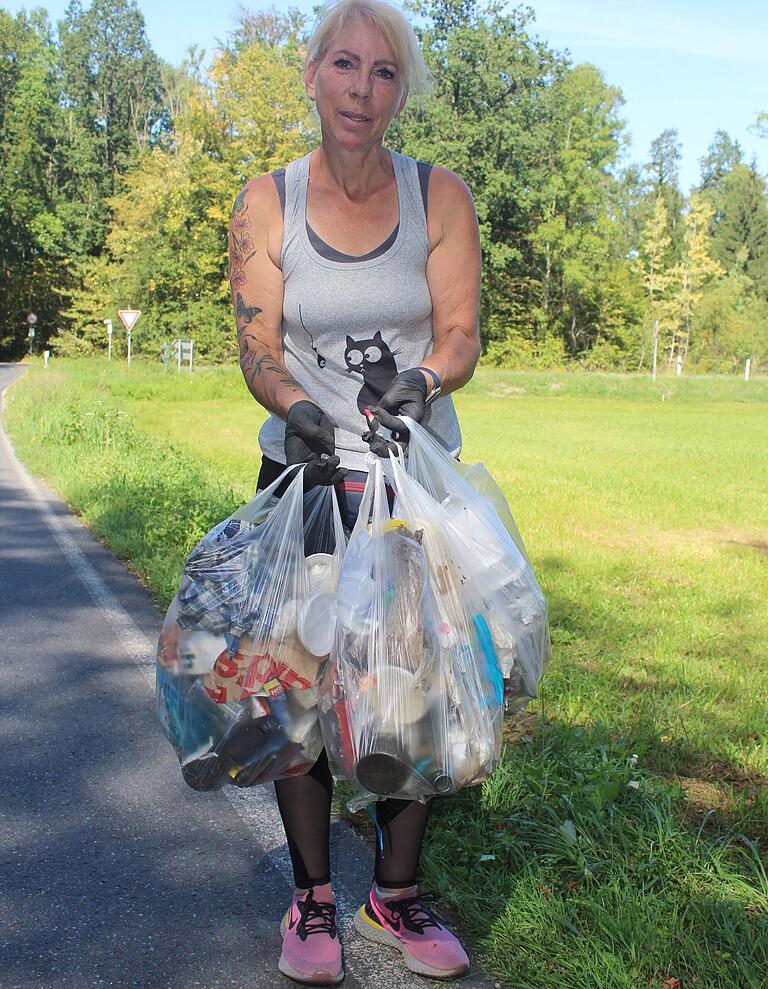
[[355, 282]]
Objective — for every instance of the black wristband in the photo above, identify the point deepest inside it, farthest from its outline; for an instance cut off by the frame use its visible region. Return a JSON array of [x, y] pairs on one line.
[[436, 383]]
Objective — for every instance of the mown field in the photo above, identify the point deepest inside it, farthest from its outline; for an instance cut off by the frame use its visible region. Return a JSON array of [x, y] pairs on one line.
[[624, 840]]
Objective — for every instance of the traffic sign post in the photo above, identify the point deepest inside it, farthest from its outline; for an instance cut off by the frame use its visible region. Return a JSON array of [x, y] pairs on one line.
[[182, 351], [110, 331], [129, 317], [31, 320]]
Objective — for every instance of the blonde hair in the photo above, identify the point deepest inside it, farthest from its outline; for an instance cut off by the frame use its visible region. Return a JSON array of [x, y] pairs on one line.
[[392, 24]]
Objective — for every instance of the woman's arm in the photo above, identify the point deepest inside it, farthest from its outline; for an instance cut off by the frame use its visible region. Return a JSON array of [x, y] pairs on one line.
[[255, 239], [453, 277], [255, 242]]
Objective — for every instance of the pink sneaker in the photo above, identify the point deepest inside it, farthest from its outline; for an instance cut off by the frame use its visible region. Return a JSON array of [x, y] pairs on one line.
[[311, 947], [402, 921]]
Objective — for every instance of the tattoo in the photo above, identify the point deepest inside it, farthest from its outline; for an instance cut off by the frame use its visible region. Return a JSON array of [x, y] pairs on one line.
[[246, 313], [239, 201], [253, 365], [241, 246], [244, 337]]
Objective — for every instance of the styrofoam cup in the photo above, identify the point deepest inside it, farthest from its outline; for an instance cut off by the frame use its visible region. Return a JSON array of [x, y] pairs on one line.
[[317, 624]]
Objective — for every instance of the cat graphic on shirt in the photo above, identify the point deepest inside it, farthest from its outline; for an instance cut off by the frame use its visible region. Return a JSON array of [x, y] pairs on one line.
[[373, 359]]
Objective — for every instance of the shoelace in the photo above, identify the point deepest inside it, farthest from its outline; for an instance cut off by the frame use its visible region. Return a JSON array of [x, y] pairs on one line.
[[316, 918], [414, 915]]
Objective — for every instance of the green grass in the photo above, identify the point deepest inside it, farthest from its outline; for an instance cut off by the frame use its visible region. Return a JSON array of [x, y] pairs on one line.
[[623, 841]]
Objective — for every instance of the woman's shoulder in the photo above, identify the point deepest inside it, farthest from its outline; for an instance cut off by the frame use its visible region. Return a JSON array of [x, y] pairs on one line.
[[448, 196], [445, 183], [441, 179], [257, 213], [258, 194], [265, 192]]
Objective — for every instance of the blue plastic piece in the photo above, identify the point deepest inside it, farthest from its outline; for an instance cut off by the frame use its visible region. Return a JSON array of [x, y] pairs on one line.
[[492, 663]]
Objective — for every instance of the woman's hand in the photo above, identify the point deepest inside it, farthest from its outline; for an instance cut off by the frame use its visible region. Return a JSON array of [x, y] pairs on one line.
[[309, 439], [406, 396]]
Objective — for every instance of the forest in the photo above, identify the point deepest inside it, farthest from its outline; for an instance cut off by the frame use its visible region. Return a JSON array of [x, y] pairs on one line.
[[118, 171]]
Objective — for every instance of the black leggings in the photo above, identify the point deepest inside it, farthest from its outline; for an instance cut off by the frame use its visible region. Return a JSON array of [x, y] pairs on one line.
[[305, 801]]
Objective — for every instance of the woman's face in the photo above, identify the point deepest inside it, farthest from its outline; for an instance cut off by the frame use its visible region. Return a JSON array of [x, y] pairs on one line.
[[357, 86]]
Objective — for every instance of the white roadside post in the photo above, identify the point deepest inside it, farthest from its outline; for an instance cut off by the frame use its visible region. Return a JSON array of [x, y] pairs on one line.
[[129, 317], [191, 347], [746, 369], [110, 331], [679, 364]]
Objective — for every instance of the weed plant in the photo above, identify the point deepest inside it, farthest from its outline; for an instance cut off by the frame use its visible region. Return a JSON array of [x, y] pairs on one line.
[[623, 840]]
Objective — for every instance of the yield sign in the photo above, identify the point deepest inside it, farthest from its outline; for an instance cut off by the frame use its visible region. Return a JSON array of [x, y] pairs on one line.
[[129, 317]]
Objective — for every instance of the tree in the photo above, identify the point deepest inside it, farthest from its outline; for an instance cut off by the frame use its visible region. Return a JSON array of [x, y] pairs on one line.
[[740, 229], [167, 247], [31, 203], [723, 154], [729, 326], [260, 111], [486, 119], [654, 262], [663, 171], [575, 234], [695, 269], [112, 97]]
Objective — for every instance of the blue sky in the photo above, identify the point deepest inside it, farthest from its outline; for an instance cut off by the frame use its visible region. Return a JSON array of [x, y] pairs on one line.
[[694, 65]]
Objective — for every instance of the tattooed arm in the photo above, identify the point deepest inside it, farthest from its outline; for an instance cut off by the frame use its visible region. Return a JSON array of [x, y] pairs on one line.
[[255, 239]]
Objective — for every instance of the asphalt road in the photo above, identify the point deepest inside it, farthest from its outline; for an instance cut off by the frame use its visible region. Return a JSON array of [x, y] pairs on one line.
[[113, 872]]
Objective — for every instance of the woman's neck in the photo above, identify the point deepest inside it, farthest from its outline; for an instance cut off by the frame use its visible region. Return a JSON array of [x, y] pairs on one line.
[[355, 174]]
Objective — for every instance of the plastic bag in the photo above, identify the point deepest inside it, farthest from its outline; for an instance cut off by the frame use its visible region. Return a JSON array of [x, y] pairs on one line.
[[244, 641], [411, 697], [491, 558]]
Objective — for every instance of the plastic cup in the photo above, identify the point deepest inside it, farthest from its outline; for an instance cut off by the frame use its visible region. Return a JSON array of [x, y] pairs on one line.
[[317, 624], [355, 598], [320, 571]]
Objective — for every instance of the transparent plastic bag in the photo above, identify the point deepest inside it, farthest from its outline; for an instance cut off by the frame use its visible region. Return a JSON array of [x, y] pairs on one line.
[[244, 641], [411, 698], [492, 559]]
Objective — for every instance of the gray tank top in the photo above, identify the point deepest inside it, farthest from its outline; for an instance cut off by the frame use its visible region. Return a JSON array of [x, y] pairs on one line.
[[350, 325]]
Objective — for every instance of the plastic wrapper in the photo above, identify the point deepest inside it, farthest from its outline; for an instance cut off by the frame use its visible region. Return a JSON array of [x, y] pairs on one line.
[[245, 639], [491, 559], [411, 698]]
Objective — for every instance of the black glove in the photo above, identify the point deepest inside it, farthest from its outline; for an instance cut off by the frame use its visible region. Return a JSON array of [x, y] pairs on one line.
[[309, 439], [406, 396]]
